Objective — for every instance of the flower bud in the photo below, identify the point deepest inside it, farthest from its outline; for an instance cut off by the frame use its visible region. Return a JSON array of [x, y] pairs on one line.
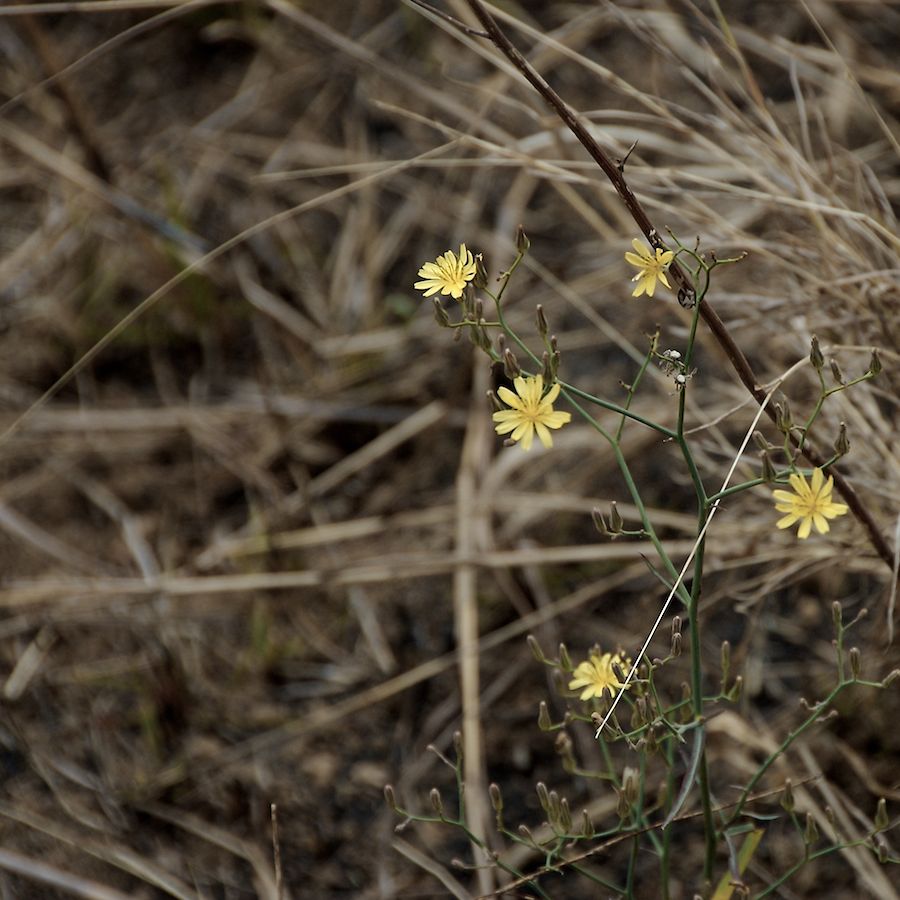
[[542, 326], [535, 648], [842, 443], [783, 421], [440, 314], [544, 722], [854, 662], [511, 365], [481, 276], [547, 373], [630, 784], [458, 746], [565, 816], [874, 364], [815, 354], [437, 804], [389, 796], [587, 826], [736, 689], [522, 242], [760, 440], [496, 797], [564, 747], [543, 796], [811, 832], [725, 660], [837, 617], [881, 821], [622, 805], [787, 798], [836, 372], [891, 677], [564, 659], [616, 523], [767, 473], [675, 649]]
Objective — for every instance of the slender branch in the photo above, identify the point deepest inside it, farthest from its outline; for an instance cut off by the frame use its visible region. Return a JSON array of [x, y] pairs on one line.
[[686, 295]]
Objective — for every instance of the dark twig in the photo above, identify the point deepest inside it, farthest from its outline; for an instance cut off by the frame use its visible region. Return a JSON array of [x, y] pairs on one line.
[[686, 295], [460, 26]]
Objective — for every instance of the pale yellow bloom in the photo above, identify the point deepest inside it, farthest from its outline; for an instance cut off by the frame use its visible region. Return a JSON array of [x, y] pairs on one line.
[[531, 411], [652, 268], [448, 274], [809, 504], [598, 675]]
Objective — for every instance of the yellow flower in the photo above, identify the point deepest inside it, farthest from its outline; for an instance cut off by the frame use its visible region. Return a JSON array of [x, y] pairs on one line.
[[448, 274], [597, 675], [652, 268], [809, 504], [530, 411]]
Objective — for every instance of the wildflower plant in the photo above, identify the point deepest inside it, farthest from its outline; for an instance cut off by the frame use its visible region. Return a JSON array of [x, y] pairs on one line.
[[639, 709]]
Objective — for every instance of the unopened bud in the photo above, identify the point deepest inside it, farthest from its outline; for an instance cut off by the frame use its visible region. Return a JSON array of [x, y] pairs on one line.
[[389, 796], [481, 276], [587, 826], [842, 442], [535, 648], [760, 440], [440, 314], [787, 798], [543, 796], [511, 365], [522, 242], [437, 804], [675, 649], [542, 326], [600, 523], [565, 816], [725, 660], [564, 659], [836, 372], [854, 662], [458, 746], [783, 421], [881, 851], [630, 784], [736, 689], [874, 364], [832, 818], [525, 832], [622, 806], [496, 797], [495, 401], [811, 832], [767, 472], [544, 722], [881, 821], [815, 354], [564, 747], [616, 523], [891, 677], [837, 617], [639, 714], [553, 812], [547, 374]]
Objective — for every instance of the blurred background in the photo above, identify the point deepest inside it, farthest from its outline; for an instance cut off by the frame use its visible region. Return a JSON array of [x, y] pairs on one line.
[[261, 507]]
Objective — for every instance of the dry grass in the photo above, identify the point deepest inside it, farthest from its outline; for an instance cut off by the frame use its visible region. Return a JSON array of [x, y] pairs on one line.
[[260, 543]]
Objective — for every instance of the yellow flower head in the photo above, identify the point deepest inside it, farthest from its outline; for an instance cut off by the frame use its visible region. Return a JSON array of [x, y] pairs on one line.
[[598, 675], [448, 274], [530, 411], [652, 268], [809, 504]]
